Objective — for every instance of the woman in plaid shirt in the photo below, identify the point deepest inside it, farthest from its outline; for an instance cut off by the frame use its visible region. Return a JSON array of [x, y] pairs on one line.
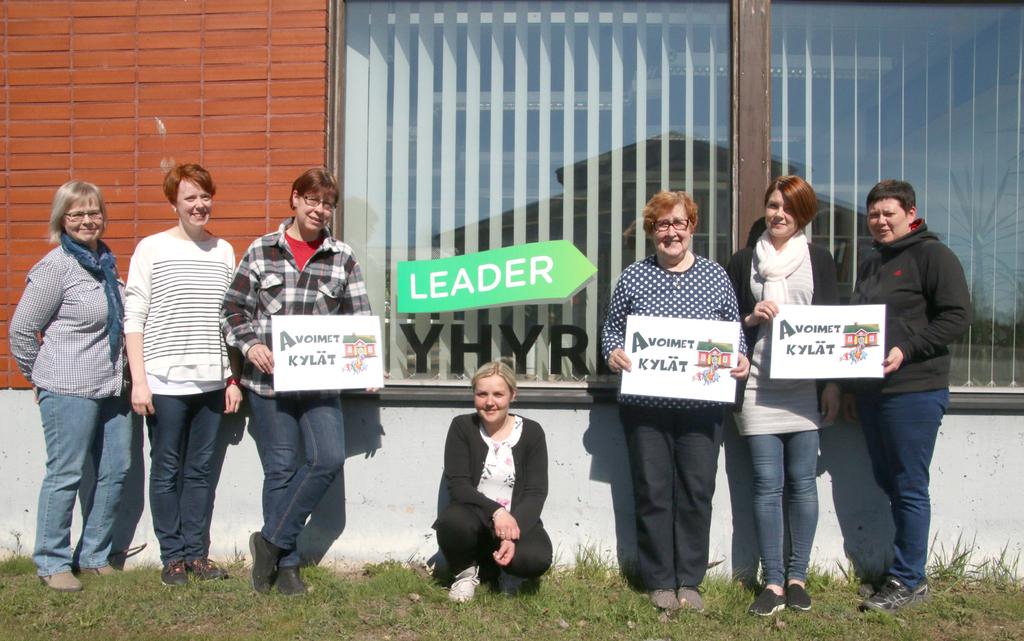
[[297, 270]]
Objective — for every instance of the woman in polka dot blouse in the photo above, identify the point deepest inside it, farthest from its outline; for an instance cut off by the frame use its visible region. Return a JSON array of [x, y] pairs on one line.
[[672, 443]]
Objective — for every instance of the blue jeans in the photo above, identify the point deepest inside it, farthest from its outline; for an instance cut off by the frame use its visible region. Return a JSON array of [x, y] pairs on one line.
[[294, 485], [900, 432], [182, 441], [787, 461], [74, 427]]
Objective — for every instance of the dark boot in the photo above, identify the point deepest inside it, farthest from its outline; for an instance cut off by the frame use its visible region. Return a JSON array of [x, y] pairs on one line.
[[289, 582], [264, 562]]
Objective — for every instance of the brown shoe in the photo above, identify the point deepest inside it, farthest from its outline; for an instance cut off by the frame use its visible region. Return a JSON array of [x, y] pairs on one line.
[[62, 582], [174, 573], [106, 570], [205, 570]]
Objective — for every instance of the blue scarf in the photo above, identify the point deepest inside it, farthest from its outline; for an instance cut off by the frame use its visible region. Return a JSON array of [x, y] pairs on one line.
[[103, 266]]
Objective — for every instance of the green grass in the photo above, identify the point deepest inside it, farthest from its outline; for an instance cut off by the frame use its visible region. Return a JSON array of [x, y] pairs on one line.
[[393, 601]]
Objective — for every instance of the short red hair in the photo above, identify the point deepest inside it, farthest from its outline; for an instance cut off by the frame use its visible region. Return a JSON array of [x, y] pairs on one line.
[[666, 201], [191, 172], [798, 197]]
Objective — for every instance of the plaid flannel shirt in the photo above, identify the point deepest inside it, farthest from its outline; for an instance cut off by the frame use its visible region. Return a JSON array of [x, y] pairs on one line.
[[268, 283]]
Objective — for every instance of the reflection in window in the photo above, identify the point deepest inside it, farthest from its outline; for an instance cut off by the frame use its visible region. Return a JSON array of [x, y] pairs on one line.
[[477, 125], [929, 94]]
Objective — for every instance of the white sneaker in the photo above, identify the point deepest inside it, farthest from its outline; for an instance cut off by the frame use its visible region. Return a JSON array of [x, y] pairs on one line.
[[464, 586], [509, 583]]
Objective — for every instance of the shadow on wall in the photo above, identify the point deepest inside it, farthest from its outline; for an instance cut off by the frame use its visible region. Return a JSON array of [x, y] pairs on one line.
[[363, 437], [363, 434], [862, 509], [609, 463]]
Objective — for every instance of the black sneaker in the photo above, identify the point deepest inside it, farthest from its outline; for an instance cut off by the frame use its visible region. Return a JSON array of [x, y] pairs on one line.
[[289, 582], [797, 597], [174, 573], [206, 570], [893, 596], [264, 562], [767, 603]]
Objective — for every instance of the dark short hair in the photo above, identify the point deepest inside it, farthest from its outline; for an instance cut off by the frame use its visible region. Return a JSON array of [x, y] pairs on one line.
[[316, 181], [798, 196], [899, 190], [191, 172], [666, 201]]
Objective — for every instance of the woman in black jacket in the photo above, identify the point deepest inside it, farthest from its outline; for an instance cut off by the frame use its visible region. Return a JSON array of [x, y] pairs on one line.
[[927, 308], [496, 468], [780, 418]]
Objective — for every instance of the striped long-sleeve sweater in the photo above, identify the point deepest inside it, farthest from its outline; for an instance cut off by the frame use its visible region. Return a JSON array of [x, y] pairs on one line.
[[173, 297]]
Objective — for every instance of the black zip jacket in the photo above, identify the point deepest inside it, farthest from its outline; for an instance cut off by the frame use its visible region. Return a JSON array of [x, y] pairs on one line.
[[464, 456], [927, 307]]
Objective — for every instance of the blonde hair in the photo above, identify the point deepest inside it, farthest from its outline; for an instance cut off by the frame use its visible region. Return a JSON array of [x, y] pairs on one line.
[[495, 368], [67, 195]]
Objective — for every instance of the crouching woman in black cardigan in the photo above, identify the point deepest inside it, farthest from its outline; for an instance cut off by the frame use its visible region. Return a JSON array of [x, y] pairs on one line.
[[496, 468]]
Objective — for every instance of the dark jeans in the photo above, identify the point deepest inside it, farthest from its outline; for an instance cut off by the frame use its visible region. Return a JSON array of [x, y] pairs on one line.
[[673, 456], [182, 441], [465, 540], [900, 432], [294, 485], [787, 461]]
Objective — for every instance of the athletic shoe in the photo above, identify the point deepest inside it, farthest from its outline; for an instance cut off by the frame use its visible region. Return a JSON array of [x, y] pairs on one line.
[[797, 597], [893, 596], [464, 586], [767, 603], [174, 573], [206, 570], [689, 598]]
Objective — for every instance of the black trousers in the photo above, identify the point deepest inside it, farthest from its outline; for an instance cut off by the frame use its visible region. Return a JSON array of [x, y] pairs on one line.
[[673, 457], [466, 540]]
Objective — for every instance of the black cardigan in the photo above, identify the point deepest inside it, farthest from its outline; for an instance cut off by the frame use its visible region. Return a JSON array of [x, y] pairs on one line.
[[826, 292], [464, 456]]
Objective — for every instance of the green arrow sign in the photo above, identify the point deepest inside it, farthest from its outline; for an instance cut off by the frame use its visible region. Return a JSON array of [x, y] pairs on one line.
[[533, 273]]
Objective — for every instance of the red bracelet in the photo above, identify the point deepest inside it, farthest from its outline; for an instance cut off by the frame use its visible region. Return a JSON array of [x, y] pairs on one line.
[[232, 381]]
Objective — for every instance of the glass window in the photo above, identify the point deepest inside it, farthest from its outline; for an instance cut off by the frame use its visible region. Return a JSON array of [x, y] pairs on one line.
[[930, 94], [477, 125]]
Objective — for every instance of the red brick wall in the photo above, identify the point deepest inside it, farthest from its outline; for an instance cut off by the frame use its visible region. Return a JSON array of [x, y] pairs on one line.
[[115, 91]]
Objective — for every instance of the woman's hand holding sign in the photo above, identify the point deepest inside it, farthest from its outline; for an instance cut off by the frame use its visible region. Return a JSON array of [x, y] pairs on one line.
[[261, 357], [764, 311]]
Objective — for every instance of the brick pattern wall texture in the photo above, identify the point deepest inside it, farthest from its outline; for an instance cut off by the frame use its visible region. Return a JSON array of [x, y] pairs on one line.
[[115, 92]]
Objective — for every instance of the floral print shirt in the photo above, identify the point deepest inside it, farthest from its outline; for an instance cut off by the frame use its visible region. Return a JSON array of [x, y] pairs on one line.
[[499, 474]]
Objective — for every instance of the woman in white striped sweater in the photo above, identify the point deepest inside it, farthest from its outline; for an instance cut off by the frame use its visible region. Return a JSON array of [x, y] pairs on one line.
[[182, 379]]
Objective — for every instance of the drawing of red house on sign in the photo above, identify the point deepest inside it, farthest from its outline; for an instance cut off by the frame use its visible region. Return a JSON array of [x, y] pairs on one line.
[[355, 345], [717, 354], [865, 335]]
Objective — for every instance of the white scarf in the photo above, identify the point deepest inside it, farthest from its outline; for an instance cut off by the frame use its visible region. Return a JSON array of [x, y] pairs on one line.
[[774, 267]]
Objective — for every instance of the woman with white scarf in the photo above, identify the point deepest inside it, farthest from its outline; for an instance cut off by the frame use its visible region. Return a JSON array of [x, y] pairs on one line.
[[780, 418]]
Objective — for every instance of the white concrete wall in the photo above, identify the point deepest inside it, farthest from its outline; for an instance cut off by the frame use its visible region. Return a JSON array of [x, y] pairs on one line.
[[392, 488]]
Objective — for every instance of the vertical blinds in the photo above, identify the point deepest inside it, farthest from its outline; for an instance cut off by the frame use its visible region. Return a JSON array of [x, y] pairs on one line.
[[477, 125], [930, 94]]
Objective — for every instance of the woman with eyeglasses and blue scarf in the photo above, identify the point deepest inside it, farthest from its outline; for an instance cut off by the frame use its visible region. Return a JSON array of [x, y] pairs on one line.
[[68, 340]]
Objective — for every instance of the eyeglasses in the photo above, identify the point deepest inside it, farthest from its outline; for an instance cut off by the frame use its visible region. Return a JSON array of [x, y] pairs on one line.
[[79, 216], [676, 224], [313, 201]]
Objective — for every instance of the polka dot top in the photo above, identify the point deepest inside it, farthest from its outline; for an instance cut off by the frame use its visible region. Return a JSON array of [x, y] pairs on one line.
[[646, 289]]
